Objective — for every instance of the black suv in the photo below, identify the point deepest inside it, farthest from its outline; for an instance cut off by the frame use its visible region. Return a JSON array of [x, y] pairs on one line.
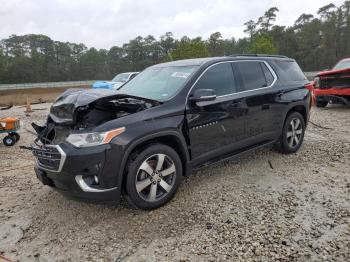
[[141, 140]]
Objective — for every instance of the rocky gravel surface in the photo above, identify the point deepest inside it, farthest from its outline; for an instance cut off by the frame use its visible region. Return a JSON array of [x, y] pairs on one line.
[[261, 207]]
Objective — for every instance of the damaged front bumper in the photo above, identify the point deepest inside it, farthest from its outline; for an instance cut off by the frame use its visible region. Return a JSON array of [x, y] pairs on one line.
[[77, 156], [333, 85], [85, 173], [335, 94]]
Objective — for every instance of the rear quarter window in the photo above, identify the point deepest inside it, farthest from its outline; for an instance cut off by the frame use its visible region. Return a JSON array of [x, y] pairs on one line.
[[291, 70]]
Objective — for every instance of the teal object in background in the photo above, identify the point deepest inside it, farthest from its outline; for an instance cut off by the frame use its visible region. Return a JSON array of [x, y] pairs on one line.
[[116, 82]]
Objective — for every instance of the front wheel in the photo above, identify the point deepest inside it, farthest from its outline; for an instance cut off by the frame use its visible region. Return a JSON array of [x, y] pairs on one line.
[[292, 133], [153, 177]]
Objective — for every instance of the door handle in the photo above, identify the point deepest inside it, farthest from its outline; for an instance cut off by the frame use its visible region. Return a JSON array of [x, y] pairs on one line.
[[265, 107]]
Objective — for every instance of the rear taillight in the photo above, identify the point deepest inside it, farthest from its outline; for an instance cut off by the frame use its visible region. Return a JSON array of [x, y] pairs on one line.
[[309, 86]]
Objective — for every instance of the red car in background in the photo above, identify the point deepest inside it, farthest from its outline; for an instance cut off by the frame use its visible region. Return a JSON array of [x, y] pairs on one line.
[[333, 85]]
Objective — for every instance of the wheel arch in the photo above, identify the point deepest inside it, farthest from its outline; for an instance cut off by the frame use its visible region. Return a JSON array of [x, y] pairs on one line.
[[300, 109], [170, 138]]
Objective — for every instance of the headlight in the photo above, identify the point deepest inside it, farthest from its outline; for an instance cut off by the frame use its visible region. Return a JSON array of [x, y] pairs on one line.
[[317, 82], [93, 139]]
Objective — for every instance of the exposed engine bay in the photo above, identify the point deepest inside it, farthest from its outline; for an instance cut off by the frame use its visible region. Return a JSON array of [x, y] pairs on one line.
[[82, 110]]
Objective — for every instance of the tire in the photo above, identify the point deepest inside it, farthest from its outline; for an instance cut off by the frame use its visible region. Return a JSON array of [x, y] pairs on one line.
[[292, 138], [9, 140], [321, 103], [15, 135], [147, 186]]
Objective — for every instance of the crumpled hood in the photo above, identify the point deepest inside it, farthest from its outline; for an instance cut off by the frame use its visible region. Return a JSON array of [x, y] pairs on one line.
[[65, 106], [335, 79], [334, 72]]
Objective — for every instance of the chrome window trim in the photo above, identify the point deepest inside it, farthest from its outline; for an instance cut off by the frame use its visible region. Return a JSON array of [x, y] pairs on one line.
[[237, 61]]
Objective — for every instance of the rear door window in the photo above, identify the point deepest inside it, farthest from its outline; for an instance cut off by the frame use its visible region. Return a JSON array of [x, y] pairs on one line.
[[252, 74], [218, 77]]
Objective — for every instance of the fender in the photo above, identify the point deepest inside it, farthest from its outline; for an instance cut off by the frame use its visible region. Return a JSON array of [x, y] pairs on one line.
[[297, 98], [137, 142]]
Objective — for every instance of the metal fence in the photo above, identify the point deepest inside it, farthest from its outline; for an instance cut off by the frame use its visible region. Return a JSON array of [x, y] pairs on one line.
[[46, 85], [309, 75]]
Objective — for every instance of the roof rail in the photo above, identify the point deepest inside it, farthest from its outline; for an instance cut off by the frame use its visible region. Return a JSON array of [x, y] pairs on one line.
[[258, 55]]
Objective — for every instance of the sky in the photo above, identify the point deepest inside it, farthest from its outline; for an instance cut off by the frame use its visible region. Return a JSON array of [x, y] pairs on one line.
[[106, 23]]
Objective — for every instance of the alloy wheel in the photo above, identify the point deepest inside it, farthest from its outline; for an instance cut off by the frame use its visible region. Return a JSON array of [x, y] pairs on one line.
[[294, 132], [155, 177]]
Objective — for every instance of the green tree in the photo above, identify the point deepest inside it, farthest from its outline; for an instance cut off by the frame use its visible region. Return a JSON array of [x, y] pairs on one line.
[[250, 28], [328, 41], [262, 44], [303, 20], [326, 11], [3, 72], [116, 60], [190, 49], [266, 20], [94, 64], [230, 46], [167, 42], [316, 42], [346, 31], [309, 51], [215, 44]]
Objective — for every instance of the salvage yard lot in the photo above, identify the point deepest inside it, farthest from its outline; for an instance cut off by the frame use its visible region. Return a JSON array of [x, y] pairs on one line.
[[260, 207]]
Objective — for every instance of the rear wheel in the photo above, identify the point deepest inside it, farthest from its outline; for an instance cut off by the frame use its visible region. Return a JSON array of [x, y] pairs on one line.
[[15, 135], [9, 140], [153, 177], [292, 134]]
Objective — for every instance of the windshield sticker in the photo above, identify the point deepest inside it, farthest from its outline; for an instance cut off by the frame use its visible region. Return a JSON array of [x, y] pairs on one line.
[[180, 74]]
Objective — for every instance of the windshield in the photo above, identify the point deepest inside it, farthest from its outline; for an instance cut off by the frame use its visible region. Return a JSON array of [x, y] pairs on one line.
[[121, 78], [158, 83], [342, 64]]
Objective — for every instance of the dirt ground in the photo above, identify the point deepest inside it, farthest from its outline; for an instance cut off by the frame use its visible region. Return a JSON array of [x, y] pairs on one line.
[[34, 95], [260, 207]]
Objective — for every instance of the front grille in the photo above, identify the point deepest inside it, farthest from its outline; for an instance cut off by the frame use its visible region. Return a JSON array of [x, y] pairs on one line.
[[339, 81], [49, 157]]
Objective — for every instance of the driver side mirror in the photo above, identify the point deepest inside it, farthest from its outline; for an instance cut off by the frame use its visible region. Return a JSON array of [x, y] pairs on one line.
[[203, 95]]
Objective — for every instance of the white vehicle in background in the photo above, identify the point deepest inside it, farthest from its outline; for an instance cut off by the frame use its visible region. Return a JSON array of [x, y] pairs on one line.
[[116, 82]]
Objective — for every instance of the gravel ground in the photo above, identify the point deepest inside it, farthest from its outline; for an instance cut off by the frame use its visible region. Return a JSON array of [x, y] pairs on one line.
[[260, 207]]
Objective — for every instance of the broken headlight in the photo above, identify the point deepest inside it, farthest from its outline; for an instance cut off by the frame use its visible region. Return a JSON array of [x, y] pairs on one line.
[[93, 139]]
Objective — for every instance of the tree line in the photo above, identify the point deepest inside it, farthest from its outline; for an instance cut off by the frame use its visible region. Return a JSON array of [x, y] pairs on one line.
[[316, 42]]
